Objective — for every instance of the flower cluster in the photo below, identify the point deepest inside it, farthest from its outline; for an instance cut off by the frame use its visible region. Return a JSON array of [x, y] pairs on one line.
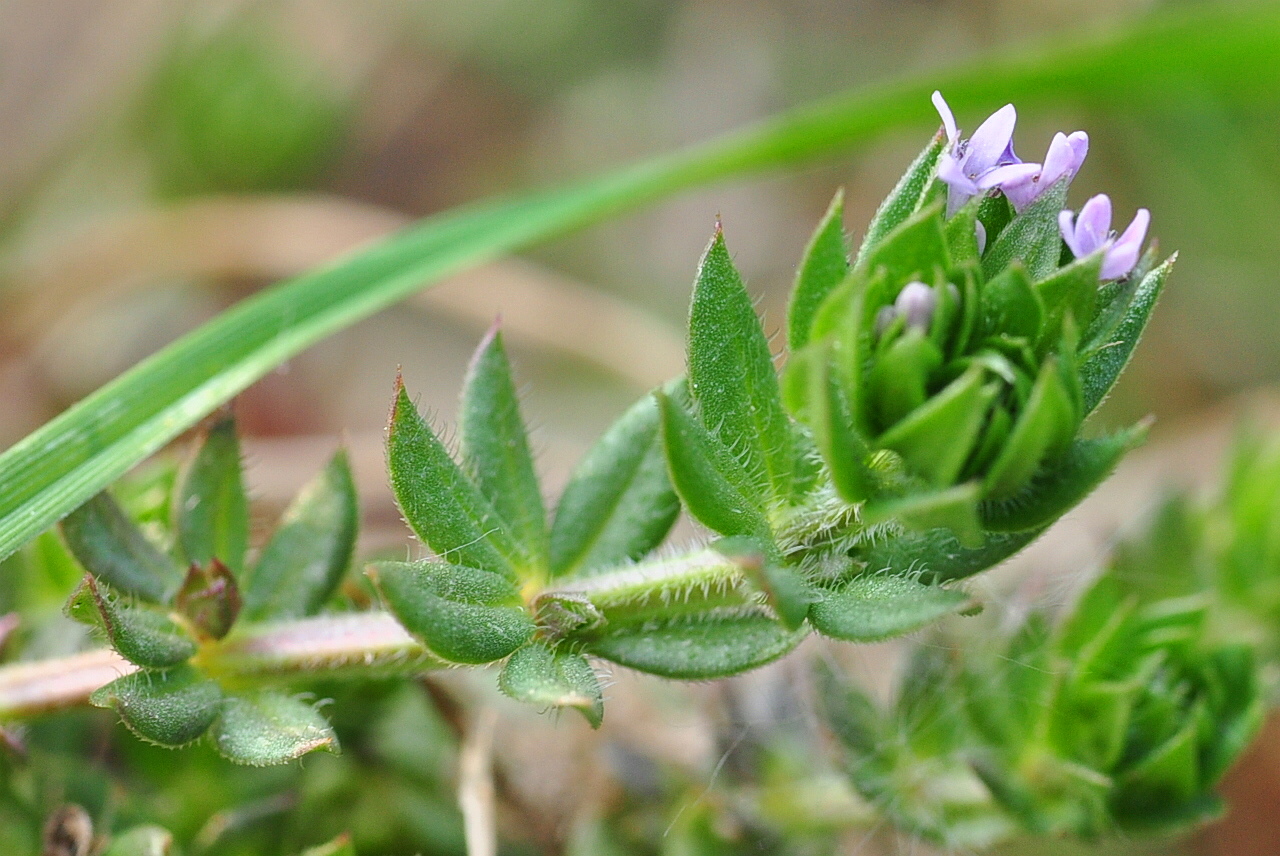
[[986, 163]]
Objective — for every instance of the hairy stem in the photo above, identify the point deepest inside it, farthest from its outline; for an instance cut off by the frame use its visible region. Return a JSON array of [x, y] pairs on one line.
[[364, 644]]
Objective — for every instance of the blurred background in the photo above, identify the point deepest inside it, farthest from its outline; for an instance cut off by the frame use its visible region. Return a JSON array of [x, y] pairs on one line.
[[161, 159]]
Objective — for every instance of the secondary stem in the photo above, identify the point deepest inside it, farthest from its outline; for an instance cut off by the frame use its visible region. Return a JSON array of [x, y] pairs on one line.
[[362, 644]]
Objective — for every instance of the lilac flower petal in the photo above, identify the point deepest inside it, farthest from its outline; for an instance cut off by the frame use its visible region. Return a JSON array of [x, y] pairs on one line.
[[1066, 226], [980, 232], [992, 144], [948, 118], [1123, 253], [916, 303], [1009, 174], [1093, 226], [960, 188], [1063, 160]]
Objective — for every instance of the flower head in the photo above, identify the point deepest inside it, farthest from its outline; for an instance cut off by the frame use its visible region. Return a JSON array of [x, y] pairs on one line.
[[1063, 160], [984, 161], [1091, 232]]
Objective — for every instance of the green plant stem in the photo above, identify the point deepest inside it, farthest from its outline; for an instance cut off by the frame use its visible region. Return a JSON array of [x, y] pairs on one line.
[[61, 465], [362, 644]]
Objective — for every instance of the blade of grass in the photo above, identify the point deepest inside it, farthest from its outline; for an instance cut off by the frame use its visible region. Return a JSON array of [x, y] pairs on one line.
[[69, 459]]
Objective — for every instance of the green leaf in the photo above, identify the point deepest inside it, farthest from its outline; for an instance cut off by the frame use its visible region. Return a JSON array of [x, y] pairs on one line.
[[169, 708], [731, 375], [495, 451], [708, 479], [1032, 237], [823, 267], [1011, 306], [270, 728], [938, 437], [913, 250], [303, 563], [851, 714], [340, 846], [1058, 489], [1168, 777], [939, 555], [142, 635], [955, 508], [437, 499], [210, 600], [710, 646], [61, 465], [898, 381], [1070, 291], [465, 615], [211, 509], [873, 607], [113, 548], [785, 589], [831, 417], [1042, 433], [539, 676], [141, 841], [619, 504], [905, 198], [1109, 343]]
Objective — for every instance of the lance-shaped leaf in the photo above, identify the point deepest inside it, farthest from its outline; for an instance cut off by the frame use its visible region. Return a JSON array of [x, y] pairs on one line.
[[1109, 343], [1032, 237], [1070, 291], [495, 449], [113, 548], [939, 555], [905, 198], [824, 266], [785, 590], [141, 841], [1011, 306], [732, 378], [168, 708], [438, 500], [270, 728], [210, 599], [1058, 489], [912, 250], [954, 508], [1042, 433], [544, 678], [619, 504], [465, 615], [305, 559], [872, 607], [210, 506], [710, 481], [937, 438], [141, 634], [698, 648]]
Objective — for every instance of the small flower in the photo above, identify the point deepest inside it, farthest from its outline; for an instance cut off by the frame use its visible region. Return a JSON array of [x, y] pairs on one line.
[[982, 162], [1091, 232], [1063, 160], [915, 304]]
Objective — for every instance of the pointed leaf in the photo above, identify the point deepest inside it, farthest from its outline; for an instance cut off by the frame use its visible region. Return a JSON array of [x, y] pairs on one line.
[[913, 250], [495, 449], [210, 506], [113, 548], [438, 500], [1011, 306], [1072, 291], [938, 437], [710, 481], [834, 425], [1032, 237], [619, 504], [270, 728], [1057, 490], [872, 607], [955, 508], [1041, 434], [545, 678], [711, 646], [1110, 342], [939, 555], [732, 378], [210, 599], [305, 559], [823, 267], [786, 591], [141, 634], [168, 708], [905, 198], [465, 615]]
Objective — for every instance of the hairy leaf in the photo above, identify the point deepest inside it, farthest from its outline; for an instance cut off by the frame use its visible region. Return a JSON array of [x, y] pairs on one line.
[[872, 607], [823, 267], [543, 677], [113, 548], [305, 559], [141, 634], [212, 511], [1032, 237], [270, 728], [905, 198], [169, 708]]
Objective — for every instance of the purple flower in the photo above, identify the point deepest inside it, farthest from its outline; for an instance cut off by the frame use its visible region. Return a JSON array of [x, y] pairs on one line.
[[1091, 232], [982, 162], [1063, 160]]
